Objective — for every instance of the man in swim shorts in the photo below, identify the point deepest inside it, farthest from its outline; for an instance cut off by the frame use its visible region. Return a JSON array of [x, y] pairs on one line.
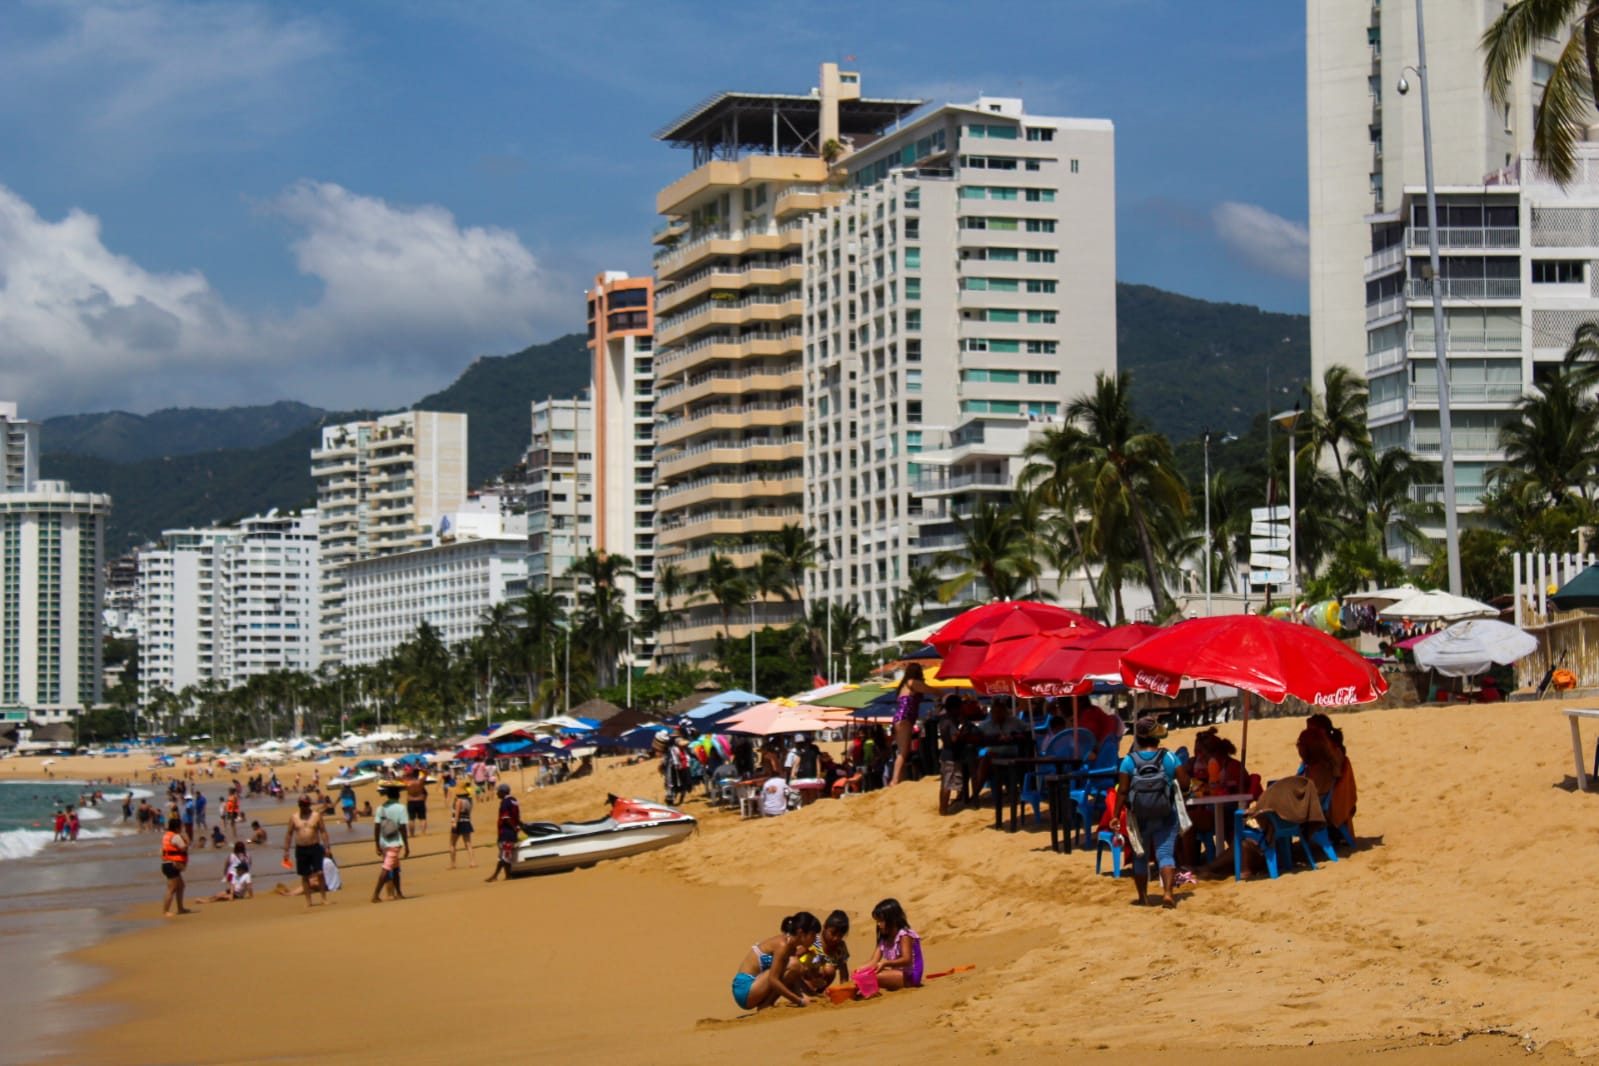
[[308, 834], [390, 836]]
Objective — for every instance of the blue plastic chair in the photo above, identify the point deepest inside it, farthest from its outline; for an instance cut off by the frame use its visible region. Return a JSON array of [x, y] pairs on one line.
[[1090, 797], [1107, 839], [1063, 745], [1284, 834], [1344, 830]]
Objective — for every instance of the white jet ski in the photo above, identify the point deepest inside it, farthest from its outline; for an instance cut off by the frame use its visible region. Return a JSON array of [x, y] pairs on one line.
[[634, 826]]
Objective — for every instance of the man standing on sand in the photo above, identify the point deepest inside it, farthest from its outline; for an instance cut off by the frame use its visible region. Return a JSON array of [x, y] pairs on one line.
[[416, 802], [174, 860], [508, 826], [308, 834], [390, 836]]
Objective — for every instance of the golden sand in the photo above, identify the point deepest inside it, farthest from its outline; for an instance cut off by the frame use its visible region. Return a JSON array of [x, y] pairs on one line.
[[1464, 912]]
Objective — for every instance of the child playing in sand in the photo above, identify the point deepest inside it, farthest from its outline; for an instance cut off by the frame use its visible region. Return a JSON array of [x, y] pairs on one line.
[[763, 976], [828, 956], [898, 958]]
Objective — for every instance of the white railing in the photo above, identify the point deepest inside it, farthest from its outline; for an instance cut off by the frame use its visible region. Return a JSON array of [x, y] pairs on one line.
[[1465, 496], [728, 409], [1387, 305], [1468, 393], [1389, 257], [1467, 237], [747, 442], [667, 322], [667, 357], [1430, 441], [1388, 357], [727, 375], [667, 523], [1467, 288], [960, 481], [743, 479], [1466, 342], [1385, 408]]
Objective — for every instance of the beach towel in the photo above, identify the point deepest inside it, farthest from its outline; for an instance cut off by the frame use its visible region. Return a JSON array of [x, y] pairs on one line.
[[1293, 799]]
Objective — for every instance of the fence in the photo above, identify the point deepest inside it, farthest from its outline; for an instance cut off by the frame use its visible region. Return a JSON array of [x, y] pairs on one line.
[[1568, 639]]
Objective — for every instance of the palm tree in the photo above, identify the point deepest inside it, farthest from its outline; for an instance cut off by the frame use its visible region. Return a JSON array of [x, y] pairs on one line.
[[1338, 415], [541, 618], [1559, 123], [1551, 446], [723, 583], [603, 624], [1060, 469], [1382, 494], [995, 548], [670, 588], [1132, 469], [789, 554]]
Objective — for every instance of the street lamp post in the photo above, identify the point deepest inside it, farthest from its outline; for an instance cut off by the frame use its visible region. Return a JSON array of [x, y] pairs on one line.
[[1209, 553], [1446, 447], [752, 646]]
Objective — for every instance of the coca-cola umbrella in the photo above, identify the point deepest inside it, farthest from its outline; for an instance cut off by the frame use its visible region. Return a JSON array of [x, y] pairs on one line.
[[1006, 662], [965, 640], [1269, 658], [1070, 669]]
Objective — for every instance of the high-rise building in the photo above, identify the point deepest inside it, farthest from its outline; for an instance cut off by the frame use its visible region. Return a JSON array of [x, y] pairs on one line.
[[560, 493], [19, 450], [955, 299], [1520, 273], [227, 603], [380, 487], [729, 331], [52, 558], [476, 558], [621, 313], [1365, 145]]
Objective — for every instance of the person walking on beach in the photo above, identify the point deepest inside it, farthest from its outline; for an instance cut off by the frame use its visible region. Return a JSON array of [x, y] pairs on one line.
[[416, 802], [1146, 789], [127, 808], [174, 859], [231, 812], [61, 826], [390, 837], [308, 834], [507, 827], [73, 824], [461, 823], [200, 822]]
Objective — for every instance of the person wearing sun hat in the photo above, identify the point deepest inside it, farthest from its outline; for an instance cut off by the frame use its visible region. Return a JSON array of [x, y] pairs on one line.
[[1145, 789], [461, 822]]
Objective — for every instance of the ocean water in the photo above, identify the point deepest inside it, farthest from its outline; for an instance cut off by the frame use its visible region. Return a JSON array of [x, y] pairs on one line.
[[27, 814]]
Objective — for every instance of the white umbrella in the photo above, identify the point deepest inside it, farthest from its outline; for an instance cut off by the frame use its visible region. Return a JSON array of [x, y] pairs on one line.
[[1383, 597], [1471, 647], [46, 762], [918, 635], [1438, 605]]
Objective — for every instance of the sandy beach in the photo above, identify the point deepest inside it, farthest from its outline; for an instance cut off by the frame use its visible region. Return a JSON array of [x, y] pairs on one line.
[[1458, 932]]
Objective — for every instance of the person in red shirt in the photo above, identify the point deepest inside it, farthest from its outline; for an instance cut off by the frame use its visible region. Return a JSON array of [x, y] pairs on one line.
[[61, 825]]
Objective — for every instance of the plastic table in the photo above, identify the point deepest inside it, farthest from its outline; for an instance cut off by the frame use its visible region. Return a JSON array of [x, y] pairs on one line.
[[1576, 714]]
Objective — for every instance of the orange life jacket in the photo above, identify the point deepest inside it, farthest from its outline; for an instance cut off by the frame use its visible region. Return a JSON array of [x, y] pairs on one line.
[[170, 852]]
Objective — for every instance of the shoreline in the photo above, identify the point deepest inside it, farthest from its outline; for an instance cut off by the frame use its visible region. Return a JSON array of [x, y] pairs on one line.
[[1432, 944]]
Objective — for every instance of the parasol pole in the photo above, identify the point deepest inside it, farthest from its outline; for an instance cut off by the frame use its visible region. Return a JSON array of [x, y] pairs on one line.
[[1243, 752], [1076, 699]]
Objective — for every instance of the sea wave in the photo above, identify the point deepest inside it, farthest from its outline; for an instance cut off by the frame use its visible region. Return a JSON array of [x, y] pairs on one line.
[[26, 843]]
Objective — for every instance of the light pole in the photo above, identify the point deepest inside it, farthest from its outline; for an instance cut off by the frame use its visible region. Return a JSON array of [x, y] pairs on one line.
[[1446, 447], [1209, 553], [1287, 420], [752, 645], [628, 664]]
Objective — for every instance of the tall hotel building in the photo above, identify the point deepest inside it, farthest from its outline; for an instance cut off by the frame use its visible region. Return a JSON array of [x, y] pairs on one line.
[[1517, 253], [380, 487], [955, 298], [730, 301], [560, 493]]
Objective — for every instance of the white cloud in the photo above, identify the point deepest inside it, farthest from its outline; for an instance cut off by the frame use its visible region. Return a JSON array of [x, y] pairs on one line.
[[138, 77], [408, 297], [1268, 242]]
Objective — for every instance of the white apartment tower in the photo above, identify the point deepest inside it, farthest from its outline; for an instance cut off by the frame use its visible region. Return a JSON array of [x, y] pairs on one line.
[[560, 493], [228, 603], [19, 450], [52, 558], [959, 295], [381, 485], [1365, 146]]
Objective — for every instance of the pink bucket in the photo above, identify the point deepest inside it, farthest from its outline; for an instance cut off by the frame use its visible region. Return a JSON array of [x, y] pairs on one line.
[[865, 981]]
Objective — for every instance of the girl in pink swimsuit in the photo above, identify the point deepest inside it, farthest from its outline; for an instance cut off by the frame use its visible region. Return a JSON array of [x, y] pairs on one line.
[[907, 708], [898, 958]]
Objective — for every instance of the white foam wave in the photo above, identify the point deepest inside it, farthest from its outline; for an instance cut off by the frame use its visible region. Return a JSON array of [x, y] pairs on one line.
[[26, 843], [90, 814]]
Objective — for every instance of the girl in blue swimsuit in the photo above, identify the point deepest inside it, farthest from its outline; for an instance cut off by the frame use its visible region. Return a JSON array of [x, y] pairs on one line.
[[762, 977]]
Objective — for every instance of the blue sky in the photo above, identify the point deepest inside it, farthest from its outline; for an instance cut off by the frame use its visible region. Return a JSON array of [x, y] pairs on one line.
[[229, 202]]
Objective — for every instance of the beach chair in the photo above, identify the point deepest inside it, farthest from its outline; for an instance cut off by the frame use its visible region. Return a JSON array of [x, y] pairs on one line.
[[849, 786], [1280, 857], [1090, 796], [1067, 744], [1112, 827], [1346, 831]]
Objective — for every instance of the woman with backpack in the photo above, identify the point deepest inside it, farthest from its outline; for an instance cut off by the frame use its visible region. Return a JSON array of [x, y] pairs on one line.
[[1147, 788]]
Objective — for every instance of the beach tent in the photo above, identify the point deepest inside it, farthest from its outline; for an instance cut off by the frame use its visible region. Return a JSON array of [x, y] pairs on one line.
[[1383, 597], [918, 635], [1473, 647]]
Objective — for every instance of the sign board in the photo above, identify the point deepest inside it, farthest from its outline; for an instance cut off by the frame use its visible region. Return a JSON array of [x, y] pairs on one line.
[[1267, 561], [1269, 514], [1261, 578], [1275, 542]]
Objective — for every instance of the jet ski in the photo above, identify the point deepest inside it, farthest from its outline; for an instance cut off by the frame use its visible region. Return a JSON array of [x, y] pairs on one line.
[[632, 827]]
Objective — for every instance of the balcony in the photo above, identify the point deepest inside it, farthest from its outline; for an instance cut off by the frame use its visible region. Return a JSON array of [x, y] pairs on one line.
[[771, 449], [1465, 495], [730, 417], [746, 487], [1466, 342], [1384, 307], [1463, 289], [710, 241], [726, 346], [1504, 395], [729, 382], [730, 523], [1466, 237], [1383, 409], [1385, 260], [932, 485], [722, 175], [760, 308], [786, 271], [1379, 361]]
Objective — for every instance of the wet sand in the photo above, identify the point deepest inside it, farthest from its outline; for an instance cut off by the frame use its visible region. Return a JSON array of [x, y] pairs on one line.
[[1457, 934]]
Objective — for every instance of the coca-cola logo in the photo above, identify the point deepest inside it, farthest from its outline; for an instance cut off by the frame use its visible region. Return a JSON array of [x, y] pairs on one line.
[[1152, 681], [1338, 697]]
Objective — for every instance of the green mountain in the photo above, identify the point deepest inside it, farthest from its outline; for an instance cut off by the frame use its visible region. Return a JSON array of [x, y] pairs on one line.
[[224, 484], [1195, 365], [1198, 365], [126, 437]]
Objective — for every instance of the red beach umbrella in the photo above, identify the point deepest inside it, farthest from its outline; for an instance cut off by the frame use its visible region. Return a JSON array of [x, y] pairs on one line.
[[1007, 661], [964, 641], [1064, 671], [1263, 656]]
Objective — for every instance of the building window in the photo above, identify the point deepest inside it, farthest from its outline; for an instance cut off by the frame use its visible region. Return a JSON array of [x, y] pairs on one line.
[[1039, 225], [1041, 347], [1042, 377], [913, 288], [1043, 317], [1040, 133], [1040, 255], [1074, 166], [913, 259], [998, 314], [1558, 271], [913, 381], [1040, 285], [913, 319], [1041, 196]]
